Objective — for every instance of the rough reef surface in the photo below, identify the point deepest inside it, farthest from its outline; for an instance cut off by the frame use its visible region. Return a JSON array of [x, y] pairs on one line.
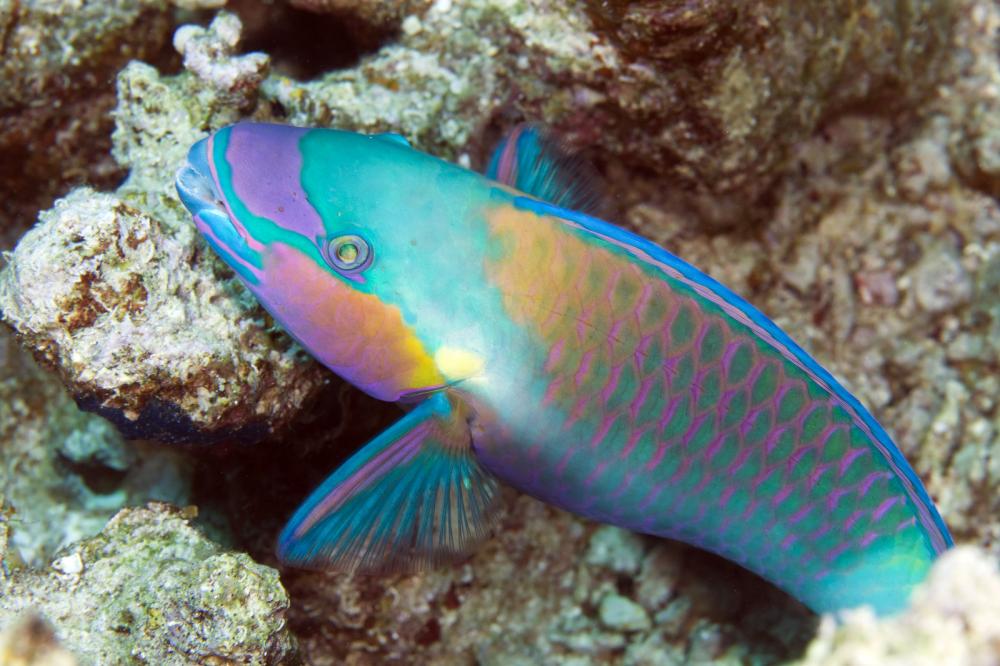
[[152, 589], [56, 71], [132, 313], [550, 589], [954, 619], [712, 95], [143, 331], [835, 162], [63, 472]]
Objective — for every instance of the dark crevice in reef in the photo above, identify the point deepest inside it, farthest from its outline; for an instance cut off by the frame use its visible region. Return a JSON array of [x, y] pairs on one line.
[[257, 488], [304, 45], [99, 479], [32, 176]]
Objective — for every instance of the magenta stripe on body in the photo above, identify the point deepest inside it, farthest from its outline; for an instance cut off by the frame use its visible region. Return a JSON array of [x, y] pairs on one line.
[[801, 513], [609, 388], [849, 458], [555, 353], [738, 314], [727, 354], [818, 472], [832, 554], [868, 538], [834, 497], [853, 518], [866, 484], [884, 507]]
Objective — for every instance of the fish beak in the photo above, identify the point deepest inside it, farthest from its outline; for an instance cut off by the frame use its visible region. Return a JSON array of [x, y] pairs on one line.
[[199, 194], [194, 181]]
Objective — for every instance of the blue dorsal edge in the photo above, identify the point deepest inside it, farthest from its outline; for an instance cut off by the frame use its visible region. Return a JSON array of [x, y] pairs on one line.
[[613, 232], [411, 498], [530, 161], [392, 137]]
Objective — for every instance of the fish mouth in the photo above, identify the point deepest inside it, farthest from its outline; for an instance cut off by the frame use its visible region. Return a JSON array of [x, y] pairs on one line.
[[198, 192]]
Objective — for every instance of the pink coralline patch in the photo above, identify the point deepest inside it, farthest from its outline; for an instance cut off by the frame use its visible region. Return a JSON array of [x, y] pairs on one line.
[[877, 288]]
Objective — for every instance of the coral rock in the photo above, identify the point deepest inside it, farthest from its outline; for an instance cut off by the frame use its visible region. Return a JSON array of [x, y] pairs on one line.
[[142, 330], [208, 53], [712, 95], [64, 472], [59, 59], [151, 588], [954, 619]]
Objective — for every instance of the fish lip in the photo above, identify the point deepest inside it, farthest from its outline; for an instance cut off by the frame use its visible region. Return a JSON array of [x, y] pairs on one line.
[[199, 191], [195, 185]]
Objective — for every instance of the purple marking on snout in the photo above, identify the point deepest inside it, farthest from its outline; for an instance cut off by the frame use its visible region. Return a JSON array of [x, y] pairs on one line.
[[267, 176]]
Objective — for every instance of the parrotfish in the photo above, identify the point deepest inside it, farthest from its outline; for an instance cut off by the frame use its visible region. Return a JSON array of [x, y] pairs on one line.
[[539, 346]]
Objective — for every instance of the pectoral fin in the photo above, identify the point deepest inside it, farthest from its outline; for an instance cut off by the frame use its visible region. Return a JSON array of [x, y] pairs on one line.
[[412, 497]]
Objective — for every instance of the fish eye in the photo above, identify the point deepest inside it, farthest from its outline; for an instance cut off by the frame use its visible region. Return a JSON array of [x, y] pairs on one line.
[[349, 253]]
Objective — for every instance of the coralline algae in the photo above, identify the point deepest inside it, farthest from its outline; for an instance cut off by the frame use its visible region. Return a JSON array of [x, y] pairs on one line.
[[56, 92], [65, 472], [712, 95], [143, 332], [151, 588], [855, 165], [131, 314]]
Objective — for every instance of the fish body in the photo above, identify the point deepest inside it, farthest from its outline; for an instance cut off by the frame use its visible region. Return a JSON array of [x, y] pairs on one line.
[[553, 351]]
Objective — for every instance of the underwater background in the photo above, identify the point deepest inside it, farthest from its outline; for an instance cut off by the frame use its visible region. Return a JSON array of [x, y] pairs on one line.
[[837, 162]]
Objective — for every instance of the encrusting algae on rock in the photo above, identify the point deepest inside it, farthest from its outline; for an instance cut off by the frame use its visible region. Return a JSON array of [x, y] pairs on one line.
[[57, 92], [66, 472], [131, 314], [713, 96], [855, 212], [142, 332], [153, 588]]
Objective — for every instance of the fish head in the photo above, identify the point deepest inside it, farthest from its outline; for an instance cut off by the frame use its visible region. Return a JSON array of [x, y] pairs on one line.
[[330, 231]]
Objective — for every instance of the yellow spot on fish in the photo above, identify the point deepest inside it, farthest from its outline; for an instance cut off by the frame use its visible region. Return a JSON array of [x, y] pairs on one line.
[[456, 364]]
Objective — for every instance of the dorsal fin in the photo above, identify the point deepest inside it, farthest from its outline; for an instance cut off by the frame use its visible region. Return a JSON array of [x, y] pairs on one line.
[[392, 137], [529, 160]]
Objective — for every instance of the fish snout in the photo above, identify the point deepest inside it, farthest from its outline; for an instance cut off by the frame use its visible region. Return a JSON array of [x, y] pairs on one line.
[[195, 185], [199, 192]]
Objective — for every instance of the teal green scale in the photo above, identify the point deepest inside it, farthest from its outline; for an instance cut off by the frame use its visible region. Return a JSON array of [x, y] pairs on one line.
[[662, 412]]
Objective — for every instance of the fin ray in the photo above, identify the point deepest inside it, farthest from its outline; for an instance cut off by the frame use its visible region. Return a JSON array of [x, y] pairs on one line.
[[412, 497], [529, 160]]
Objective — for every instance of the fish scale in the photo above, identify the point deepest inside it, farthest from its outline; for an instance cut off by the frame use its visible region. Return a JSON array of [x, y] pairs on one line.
[[543, 347], [708, 435]]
